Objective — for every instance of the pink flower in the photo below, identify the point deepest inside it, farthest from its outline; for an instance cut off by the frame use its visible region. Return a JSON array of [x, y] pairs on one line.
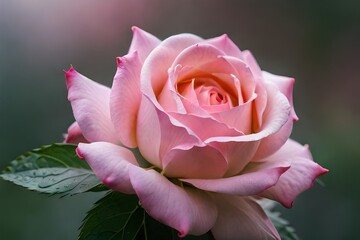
[[213, 126]]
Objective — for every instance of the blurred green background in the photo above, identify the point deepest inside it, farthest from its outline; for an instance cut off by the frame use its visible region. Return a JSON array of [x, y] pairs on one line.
[[317, 42]]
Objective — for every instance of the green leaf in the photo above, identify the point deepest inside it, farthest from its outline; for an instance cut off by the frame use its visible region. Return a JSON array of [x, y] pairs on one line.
[[285, 230], [53, 169], [119, 216]]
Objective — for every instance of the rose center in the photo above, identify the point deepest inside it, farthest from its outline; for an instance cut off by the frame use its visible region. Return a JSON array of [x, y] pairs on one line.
[[216, 98]]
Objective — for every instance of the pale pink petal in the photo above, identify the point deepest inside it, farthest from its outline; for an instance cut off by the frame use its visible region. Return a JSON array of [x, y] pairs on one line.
[[275, 116], [199, 54], [243, 73], [285, 85], [187, 210], [158, 133], [74, 135], [143, 42], [125, 98], [174, 135], [272, 143], [188, 93], [251, 181], [238, 117], [148, 132], [196, 162], [252, 63], [237, 154], [225, 44], [110, 163], [241, 218], [154, 74], [260, 104], [216, 108], [213, 127], [169, 99], [298, 178], [91, 108]]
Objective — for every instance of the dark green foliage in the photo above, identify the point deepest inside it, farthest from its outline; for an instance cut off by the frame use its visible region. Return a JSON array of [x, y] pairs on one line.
[[53, 169], [119, 216]]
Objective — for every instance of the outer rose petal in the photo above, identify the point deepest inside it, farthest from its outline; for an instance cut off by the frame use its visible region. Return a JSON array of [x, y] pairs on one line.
[[237, 154], [125, 98], [225, 44], [143, 42], [272, 143], [158, 133], [285, 85], [149, 132], [298, 178], [110, 163], [90, 104], [254, 67], [188, 210], [213, 127], [196, 162], [74, 134], [250, 182], [241, 218]]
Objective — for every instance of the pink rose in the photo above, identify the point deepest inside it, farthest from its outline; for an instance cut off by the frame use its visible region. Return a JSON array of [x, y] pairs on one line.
[[213, 126]]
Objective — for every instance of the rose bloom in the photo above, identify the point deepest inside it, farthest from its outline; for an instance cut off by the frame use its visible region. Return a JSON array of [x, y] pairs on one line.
[[213, 128]]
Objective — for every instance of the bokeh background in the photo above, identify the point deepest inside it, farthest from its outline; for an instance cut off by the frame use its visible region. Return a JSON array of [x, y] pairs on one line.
[[317, 42]]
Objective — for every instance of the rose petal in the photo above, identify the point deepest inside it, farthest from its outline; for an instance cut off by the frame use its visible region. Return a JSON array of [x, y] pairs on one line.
[[158, 133], [272, 143], [110, 163], [298, 178], [252, 63], [199, 54], [238, 117], [241, 218], [237, 154], [74, 135], [188, 210], [154, 73], [125, 98], [90, 104], [213, 128], [143, 42], [252, 181], [169, 99], [225, 44], [275, 116], [245, 76], [149, 132], [196, 162], [285, 85]]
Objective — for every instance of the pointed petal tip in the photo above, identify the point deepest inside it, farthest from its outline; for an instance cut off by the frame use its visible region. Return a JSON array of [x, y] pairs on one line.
[[320, 171], [78, 152], [181, 234], [135, 28], [225, 37], [69, 72], [69, 75], [137, 31], [120, 60]]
